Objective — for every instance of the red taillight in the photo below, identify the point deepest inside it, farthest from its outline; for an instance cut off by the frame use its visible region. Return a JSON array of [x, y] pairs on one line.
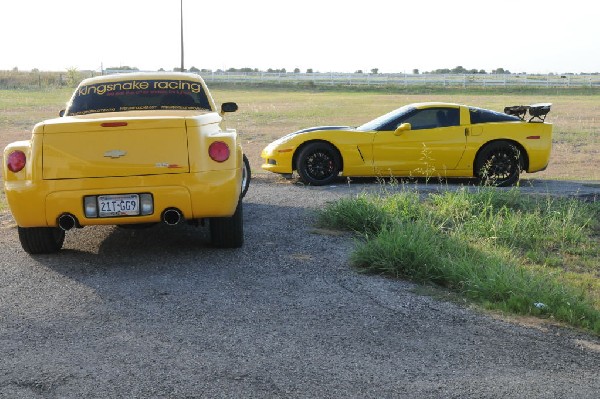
[[16, 161], [219, 151]]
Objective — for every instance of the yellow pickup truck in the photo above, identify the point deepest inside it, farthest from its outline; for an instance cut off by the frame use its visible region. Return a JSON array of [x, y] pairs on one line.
[[129, 149]]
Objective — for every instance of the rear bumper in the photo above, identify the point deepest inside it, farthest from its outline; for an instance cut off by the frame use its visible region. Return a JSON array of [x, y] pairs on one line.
[[196, 195]]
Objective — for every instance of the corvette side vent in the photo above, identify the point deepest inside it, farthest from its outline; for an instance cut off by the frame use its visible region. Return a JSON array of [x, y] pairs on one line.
[[537, 112]]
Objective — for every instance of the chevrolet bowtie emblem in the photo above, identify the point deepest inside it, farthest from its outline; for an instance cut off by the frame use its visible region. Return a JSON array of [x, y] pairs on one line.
[[114, 154]]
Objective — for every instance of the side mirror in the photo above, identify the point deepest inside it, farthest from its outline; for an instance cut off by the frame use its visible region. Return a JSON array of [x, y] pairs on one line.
[[229, 107], [61, 113], [405, 127]]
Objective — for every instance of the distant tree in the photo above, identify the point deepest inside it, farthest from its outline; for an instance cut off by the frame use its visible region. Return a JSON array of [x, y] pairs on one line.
[[415, 71], [15, 69], [375, 71], [161, 69], [309, 70], [482, 71], [35, 70], [72, 76], [458, 69], [178, 69], [501, 71], [359, 71], [194, 69], [296, 70], [125, 68]]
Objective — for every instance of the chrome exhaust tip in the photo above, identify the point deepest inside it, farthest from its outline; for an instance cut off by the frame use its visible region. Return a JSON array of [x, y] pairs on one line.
[[172, 216], [66, 221]]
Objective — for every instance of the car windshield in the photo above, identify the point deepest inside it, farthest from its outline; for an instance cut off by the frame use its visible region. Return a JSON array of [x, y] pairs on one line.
[[384, 120], [138, 95]]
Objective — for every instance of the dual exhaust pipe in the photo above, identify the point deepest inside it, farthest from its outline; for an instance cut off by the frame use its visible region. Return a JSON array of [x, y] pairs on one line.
[[170, 216], [66, 221]]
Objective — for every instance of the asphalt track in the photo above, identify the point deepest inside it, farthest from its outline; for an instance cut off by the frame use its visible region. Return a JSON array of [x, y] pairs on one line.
[[158, 313]]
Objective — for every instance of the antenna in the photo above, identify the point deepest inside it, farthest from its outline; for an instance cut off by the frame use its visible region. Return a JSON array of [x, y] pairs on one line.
[[181, 11]]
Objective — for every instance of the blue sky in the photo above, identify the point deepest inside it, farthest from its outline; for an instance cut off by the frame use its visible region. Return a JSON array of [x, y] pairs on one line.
[[335, 35]]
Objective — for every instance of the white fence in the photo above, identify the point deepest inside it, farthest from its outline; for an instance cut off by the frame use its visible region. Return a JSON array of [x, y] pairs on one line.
[[401, 79], [406, 80]]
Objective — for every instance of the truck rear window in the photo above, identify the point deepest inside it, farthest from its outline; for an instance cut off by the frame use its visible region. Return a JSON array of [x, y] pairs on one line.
[[138, 95]]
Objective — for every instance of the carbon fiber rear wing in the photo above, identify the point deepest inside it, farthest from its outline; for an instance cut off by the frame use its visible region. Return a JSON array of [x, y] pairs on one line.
[[537, 112]]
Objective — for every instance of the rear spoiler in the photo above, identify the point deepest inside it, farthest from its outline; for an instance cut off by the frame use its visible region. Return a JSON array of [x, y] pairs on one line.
[[536, 111]]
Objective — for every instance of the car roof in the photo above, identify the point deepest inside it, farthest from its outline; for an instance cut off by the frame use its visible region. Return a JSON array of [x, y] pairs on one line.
[[434, 104]]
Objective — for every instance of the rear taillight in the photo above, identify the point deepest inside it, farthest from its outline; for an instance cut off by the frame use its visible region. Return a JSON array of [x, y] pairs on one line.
[[16, 161], [219, 151]]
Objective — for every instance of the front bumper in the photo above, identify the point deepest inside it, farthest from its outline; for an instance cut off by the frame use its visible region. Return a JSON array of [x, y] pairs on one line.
[[277, 160]]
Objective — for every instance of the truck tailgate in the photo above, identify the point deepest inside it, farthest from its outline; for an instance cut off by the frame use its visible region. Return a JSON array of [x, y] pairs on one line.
[[111, 148]]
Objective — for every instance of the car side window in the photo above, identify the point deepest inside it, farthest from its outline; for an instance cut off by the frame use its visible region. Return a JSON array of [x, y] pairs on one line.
[[433, 118]]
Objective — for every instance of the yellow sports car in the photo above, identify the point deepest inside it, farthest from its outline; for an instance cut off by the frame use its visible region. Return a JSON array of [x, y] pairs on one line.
[[421, 140]]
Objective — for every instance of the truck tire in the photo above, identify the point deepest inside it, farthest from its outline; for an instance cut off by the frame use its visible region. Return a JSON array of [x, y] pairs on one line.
[[246, 175], [228, 232], [41, 240]]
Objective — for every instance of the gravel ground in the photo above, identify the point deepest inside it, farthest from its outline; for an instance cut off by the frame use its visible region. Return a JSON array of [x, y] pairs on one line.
[[158, 313]]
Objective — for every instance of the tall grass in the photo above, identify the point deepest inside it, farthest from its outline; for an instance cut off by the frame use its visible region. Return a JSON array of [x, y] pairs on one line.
[[500, 248]]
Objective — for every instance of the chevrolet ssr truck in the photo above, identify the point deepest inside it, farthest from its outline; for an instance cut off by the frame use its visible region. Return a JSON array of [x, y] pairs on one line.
[[129, 149]]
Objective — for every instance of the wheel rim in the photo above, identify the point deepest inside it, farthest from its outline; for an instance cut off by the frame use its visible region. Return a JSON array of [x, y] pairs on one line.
[[244, 176], [320, 165], [501, 165]]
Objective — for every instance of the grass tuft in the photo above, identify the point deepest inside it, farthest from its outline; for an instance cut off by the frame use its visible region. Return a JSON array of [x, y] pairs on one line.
[[499, 248]]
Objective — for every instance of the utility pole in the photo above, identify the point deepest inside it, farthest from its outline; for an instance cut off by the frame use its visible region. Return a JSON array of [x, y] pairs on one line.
[[181, 11]]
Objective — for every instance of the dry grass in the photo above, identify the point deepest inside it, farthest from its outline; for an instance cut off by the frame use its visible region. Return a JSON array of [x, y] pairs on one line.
[[266, 115]]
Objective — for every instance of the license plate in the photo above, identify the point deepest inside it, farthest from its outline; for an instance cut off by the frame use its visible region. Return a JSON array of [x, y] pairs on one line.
[[118, 205]]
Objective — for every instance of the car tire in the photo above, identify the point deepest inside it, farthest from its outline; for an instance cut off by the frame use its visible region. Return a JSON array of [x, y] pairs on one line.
[[318, 164], [41, 240], [228, 232], [246, 176], [499, 164]]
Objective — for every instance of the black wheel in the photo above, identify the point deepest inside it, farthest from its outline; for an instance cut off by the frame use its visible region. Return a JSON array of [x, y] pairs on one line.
[[228, 232], [246, 175], [318, 164], [41, 240], [499, 164]]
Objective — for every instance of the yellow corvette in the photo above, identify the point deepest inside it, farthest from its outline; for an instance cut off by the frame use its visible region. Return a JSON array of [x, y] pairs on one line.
[[421, 140], [130, 149]]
